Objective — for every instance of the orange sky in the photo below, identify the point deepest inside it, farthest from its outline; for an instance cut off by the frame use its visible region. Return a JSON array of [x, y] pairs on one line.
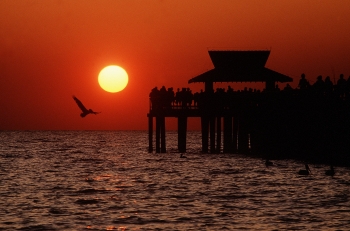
[[53, 49]]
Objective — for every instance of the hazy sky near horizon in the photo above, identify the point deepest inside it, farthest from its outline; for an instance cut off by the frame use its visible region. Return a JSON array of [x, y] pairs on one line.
[[53, 49]]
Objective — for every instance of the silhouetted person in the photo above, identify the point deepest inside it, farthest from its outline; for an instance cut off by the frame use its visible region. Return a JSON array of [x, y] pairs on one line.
[[162, 94], [328, 85], [229, 97], [177, 97], [319, 85], [341, 86], [85, 111], [196, 98], [330, 172], [305, 171], [185, 97], [303, 83], [154, 97], [170, 97], [188, 97], [201, 99]]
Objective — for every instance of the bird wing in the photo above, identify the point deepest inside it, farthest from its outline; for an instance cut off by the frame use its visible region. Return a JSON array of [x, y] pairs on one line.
[[94, 112], [80, 104]]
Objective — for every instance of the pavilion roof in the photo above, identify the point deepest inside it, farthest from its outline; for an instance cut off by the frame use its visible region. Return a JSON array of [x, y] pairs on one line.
[[240, 66]]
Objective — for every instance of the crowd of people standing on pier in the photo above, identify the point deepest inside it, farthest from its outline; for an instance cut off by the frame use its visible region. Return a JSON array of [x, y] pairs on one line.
[[168, 98], [184, 98], [326, 87]]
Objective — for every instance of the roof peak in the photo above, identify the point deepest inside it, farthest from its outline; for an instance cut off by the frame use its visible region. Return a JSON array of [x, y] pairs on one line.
[[240, 66], [239, 59]]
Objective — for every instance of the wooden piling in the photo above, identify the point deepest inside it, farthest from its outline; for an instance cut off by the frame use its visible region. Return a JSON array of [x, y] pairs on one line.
[[235, 144], [181, 129], [162, 137], [228, 134], [158, 134], [212, 134], [150, 134], [243, 136], [205, 131], [218, 134]]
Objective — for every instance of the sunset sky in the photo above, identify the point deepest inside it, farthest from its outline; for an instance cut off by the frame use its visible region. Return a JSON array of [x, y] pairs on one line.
[[53, 49]]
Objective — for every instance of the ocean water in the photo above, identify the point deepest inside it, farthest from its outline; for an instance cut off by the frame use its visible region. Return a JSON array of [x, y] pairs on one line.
[[107, 180]]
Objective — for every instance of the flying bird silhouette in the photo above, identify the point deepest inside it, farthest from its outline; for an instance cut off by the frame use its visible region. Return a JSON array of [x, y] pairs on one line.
[[85, 111]]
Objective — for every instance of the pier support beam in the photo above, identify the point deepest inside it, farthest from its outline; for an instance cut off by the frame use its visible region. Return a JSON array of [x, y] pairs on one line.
[[243, 136], [212, 134], [235, 135], [162, 137], [182, 129], [150, 134], [218, 134], [228, 134], [157, 135], [160, 134], [205, 131]]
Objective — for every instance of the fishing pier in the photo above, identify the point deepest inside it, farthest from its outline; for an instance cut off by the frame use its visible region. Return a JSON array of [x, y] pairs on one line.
[[232, 112], [310, 122]]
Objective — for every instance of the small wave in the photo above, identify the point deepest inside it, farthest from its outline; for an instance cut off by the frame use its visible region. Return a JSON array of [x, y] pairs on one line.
[[57, 211], [58, 188], [60, 149], [10, 156], [91, 191], [37, 227], [116, 207], [137, 220], [87, 201], [184, 219], [76, 152], [88, 160], [43, 140]]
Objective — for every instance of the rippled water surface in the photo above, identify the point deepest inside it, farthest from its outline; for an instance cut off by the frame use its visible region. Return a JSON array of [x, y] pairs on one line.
[[94, 180]]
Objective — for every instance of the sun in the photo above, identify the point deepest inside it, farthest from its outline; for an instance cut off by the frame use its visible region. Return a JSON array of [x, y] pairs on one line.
[[113, 78]]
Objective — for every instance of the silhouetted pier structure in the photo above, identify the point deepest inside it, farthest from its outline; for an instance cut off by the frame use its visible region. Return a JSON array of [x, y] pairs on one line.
[[307, 121], [229, 66]]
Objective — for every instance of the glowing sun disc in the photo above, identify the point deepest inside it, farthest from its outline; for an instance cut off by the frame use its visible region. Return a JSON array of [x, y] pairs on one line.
[[113, 78]]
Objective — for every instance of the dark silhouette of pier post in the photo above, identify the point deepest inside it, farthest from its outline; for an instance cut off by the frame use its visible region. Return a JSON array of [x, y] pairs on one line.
[[212, 134], [235, 134], [228, 135], [243, 135], [150, 134], [205, 131], [218, 134], [160, 134], [182, 129]]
